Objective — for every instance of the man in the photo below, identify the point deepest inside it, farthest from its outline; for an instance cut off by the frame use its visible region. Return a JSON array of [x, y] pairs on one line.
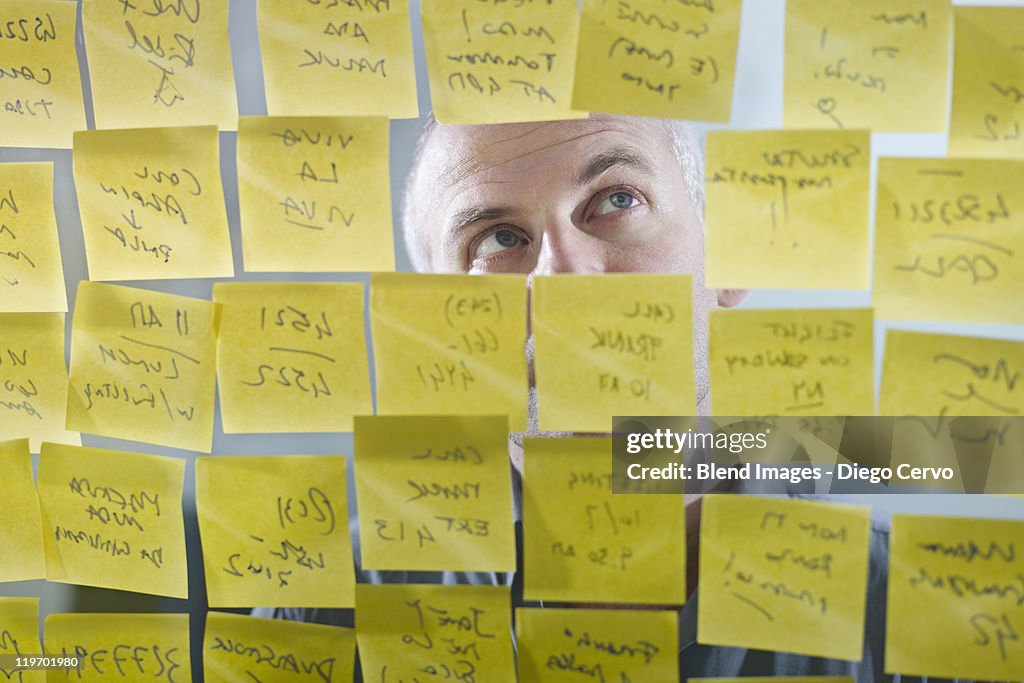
[[603, 194]]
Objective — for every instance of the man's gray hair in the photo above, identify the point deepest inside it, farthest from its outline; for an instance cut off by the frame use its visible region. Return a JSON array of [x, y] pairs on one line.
[[685, 145]]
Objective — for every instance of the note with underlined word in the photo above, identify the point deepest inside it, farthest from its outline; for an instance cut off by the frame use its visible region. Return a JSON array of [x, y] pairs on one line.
[[949, 240], [960, 582], [434, 493], [557, 645], [21, 527], [241, 649], [785, 575], [291, 357], [152, 205], [582, 543], [987, 115], [450, 344], [792, 362], [877, 64], [651, 58], [159, 63], [500, 62], [31, 273], [610, 345], [275, 531], [338, 57], [314, 194], [142, 366], [788, 209], [34, 379], [44, 105], [407, 631], [113, 519]]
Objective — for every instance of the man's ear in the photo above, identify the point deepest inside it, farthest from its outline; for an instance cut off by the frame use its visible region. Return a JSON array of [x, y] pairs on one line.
[[727, 298]]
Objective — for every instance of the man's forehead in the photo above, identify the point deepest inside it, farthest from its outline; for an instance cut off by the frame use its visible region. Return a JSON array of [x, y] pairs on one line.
[[456, 154]]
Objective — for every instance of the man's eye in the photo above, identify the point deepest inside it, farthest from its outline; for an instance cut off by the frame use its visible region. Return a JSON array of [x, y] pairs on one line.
[[497, 242], [617, 201]]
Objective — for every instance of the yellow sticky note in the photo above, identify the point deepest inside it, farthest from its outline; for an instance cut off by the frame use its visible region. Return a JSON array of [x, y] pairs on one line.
[[140, 647], [878, 64], [275, 531], [434, 493], [584, 544], [556, 645], [651, 58], [788, 209], [19, 635], [788, 575], [152, 204], [31, 274], [947, 375], [42, 100], [450, 344], [33, 379], [452, 632], [792, 362], [948, 240], [158, 63], [113, 519], [500, 62], [294, 215], [142, 366], [958, 581], [612, 345], [21, 528], [987, 117], [336, 57], [289, 651], [291, 357]]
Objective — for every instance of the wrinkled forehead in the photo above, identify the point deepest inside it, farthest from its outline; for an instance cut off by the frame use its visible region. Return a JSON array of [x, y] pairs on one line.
[[459, 155]]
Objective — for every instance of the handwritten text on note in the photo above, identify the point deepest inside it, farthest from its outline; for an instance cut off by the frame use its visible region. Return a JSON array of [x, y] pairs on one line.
[[434, 493], [447, 632], [160, 63], [788, 209], [987, 116], [113, 519], [500, 62], [949, 240], [33, 379], [338, 57], [142, 366], [652, 58], [275, 531], [31, 274], [314, 194], [792, 362], [783, 575], [42, 104], [878, 64]]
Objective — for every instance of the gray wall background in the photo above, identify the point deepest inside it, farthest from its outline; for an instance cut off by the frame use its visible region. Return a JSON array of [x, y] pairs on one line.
[[757, 104]]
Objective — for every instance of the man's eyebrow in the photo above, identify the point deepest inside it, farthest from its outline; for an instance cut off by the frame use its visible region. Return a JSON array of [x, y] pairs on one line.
[[467, 217], [623, 156]]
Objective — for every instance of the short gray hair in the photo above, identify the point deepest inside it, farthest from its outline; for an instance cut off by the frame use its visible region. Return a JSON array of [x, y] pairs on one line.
[[686, 146]]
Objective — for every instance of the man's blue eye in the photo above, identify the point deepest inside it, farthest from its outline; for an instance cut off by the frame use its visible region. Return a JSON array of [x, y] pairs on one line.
[[617, 201], [496, 242]]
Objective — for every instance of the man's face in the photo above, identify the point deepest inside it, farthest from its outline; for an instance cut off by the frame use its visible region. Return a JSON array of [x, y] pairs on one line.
[[592, 196]]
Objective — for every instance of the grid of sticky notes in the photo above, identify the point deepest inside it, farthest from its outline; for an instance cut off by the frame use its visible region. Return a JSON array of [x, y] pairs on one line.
[[456, 363]]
